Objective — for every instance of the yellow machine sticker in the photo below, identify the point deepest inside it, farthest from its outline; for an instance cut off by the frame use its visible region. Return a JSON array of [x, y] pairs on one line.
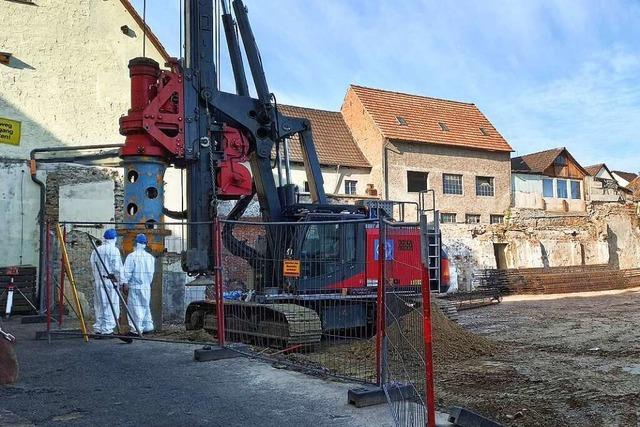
[[291, 268], [9, 131]]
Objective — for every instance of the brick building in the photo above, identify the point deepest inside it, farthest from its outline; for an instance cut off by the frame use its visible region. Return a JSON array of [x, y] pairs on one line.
[[415, 143]]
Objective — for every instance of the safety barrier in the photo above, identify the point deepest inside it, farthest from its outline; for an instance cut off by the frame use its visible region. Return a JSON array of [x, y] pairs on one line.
[[407, 369], [303, 293], [330, 298], [78, 296]]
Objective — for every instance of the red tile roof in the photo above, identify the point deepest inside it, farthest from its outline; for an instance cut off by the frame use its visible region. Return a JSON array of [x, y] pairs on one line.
[[331, 137], [537, 163], [422, 117], [594, 169]]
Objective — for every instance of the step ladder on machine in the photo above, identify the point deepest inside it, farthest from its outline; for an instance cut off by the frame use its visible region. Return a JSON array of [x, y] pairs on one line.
[[430, 228]]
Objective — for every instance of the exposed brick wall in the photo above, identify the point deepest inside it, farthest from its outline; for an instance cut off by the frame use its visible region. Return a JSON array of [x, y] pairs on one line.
[[366, 135], [237, 273], [78, 245]]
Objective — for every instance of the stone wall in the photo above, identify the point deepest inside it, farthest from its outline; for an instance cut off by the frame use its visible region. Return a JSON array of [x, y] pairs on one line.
[[608, 234]]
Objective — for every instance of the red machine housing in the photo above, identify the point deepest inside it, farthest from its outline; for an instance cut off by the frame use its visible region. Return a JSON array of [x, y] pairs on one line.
[[154, 123], [154, 126]]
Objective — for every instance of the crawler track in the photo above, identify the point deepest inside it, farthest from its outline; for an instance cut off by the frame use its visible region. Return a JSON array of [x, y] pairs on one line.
[[274, 325]]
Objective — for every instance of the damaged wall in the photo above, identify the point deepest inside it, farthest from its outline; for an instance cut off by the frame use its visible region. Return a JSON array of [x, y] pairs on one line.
[[608, 234]]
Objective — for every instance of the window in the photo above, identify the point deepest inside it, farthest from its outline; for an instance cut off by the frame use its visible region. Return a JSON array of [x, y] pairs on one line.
[[448, 218], [560, 161], [350, 186], [484, 186], [496, 219], [472, 219], [484, 132], [443, 126], [451, 184], [306, 186], [575, 190], [320, 250], [416, 181], [561, 191], [547, 187], [401, 121]]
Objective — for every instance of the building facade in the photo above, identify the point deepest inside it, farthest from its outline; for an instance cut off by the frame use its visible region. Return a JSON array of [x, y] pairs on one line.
[[64, 82], [602, 185], [550, 180], [415, 143]]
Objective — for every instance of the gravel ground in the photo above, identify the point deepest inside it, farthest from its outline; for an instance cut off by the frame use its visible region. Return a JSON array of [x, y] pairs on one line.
[[570, 359]]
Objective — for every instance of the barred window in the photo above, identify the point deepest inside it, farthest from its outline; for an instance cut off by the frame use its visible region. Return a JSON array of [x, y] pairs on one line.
[[472, 219], [484, 186], [496, 219], [350, 186], [447, 218], [451, 184]]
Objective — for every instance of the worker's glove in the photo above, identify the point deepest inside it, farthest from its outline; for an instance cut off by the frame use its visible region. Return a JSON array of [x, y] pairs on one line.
[[111, 277]]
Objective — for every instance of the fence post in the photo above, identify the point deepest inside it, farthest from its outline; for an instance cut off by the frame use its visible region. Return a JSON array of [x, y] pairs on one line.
[[380, 312], [218, 281], [426, 319], [61, 287], [47, 264]]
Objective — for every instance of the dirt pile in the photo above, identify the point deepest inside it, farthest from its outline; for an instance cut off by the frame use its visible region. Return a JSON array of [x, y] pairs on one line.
[[452, 343], [178, 333], [357, 359]]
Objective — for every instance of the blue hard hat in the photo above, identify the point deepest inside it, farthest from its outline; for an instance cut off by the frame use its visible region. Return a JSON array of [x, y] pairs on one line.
[[141, 238], [110, 234]]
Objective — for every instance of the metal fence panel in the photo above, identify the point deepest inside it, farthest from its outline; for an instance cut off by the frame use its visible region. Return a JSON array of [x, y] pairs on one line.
[[406, 356]]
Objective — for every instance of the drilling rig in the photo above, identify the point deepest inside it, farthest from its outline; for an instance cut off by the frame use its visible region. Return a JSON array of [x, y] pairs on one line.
[[180, 118]]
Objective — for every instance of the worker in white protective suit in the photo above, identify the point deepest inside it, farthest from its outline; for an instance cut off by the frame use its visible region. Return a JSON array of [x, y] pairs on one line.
[[138, 274], [110, 255]]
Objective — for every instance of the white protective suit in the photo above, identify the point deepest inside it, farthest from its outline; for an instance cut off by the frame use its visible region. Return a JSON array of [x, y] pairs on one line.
[[110, 254], [138, 274]]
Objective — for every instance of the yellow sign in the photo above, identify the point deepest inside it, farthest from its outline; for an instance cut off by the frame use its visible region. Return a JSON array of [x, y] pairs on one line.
[[9, 131], [291, 268]]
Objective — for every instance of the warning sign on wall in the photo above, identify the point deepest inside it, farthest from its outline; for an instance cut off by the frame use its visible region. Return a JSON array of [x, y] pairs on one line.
[[9, 131], [291, 268]]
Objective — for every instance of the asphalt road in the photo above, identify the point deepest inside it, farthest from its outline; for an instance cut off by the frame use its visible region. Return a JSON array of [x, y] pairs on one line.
[[108, 382]]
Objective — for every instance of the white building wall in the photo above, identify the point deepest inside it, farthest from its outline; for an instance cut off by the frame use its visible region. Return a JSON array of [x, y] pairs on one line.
[[334, 178], [68, 84], [528, 193]]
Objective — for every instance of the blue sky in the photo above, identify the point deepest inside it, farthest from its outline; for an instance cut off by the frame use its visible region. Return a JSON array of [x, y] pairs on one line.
[[546, 73]]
